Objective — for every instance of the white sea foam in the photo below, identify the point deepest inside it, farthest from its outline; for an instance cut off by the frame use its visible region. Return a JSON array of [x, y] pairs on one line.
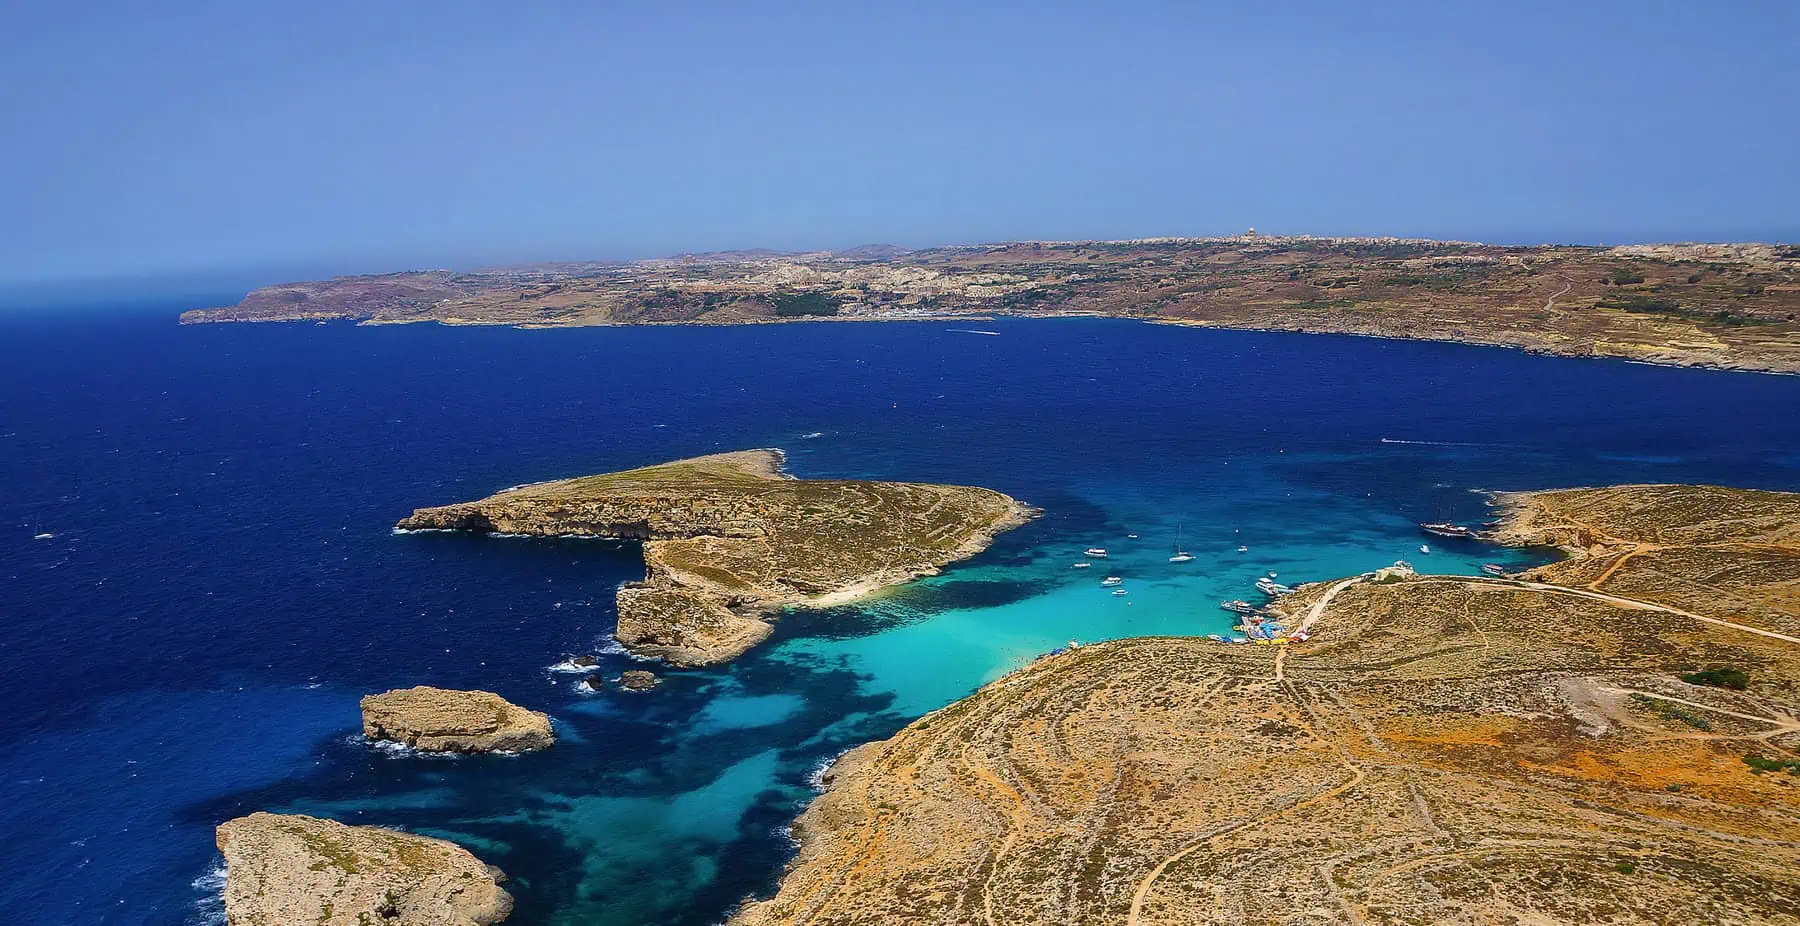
[[812, 435], [209, 908], [815, 778], [422, 530], [568, 667]]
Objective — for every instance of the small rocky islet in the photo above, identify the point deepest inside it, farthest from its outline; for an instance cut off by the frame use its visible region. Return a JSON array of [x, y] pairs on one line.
[[443, 720]]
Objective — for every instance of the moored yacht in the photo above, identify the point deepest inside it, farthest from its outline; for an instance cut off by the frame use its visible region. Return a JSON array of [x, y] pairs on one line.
[[1181, 556], [1446, 529], [1493, 569], [1238, 607], [1081, 566], [1112, 580], [1096, 552]]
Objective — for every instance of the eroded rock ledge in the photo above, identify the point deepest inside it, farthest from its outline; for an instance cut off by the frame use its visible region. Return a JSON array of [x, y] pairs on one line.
[[283, 869], [1443, 748], [728, 539], [442, 720]]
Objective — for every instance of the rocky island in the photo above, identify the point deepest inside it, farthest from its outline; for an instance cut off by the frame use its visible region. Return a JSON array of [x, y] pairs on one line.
[[441, 720], [1610, 738], [286, 869], [1716, 305], [728, 538]]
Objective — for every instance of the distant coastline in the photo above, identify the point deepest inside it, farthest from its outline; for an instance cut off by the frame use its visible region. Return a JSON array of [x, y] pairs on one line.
[[1721, 306]]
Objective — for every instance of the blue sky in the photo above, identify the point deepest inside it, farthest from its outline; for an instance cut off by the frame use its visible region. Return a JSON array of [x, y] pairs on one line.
[[271, 140]]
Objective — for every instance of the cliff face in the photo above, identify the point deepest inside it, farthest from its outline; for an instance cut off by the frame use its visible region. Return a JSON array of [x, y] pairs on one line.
[[1442, 749], [729, 539], [288, 869], [1714, 305], [442, 720]]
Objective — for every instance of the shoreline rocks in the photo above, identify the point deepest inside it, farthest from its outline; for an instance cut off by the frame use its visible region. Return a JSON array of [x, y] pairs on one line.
[[443, 720], [289, 868]]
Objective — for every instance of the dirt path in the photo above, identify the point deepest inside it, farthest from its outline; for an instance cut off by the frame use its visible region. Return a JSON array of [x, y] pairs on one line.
[[1622, 602], [1550, 303]]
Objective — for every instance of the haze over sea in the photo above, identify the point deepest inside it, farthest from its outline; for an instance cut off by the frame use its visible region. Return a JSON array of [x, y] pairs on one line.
[[222, 584]]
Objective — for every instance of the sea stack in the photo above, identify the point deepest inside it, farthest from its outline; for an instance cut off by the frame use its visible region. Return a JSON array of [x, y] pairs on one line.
[[443, 720], [283, 868]]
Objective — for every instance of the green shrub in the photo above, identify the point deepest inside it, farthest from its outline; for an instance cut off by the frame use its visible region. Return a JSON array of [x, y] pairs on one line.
[[1625, 276], [1719, 677]]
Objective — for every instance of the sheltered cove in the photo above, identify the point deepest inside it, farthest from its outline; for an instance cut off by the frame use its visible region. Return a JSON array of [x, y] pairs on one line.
[[1552, 748]]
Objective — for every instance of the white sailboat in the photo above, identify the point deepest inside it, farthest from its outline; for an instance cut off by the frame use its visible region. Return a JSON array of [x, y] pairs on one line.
[[1181, 556]]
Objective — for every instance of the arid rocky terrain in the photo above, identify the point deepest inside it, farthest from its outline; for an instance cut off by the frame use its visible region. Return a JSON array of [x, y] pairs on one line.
[[444, 720], [1614, 738], [728, 539], [1721, 305], [287, 869]]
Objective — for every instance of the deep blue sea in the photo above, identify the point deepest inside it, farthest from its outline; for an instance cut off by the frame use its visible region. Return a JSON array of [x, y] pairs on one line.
[[222, 584]]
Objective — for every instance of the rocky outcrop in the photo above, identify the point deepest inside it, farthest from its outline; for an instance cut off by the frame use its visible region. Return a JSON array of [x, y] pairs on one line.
[[289, 869], [442, 720], [728, 539], [638, 680]]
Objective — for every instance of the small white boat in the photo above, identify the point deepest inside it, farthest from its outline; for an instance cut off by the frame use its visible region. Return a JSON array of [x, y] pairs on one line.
[[1081, 565], [1130, 536], [1112, 580], [1096, 552], [1119, 593], [1273, 573], [1424, 548], [1493, 569], [1243, 549], [42, 535]]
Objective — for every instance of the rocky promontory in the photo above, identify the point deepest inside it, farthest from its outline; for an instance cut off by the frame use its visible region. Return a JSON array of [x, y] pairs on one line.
[[443, 720], [283, 868], [728, 539]]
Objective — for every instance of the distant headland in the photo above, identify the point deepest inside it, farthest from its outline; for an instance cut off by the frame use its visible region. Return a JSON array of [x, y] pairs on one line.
[[1731, 306]]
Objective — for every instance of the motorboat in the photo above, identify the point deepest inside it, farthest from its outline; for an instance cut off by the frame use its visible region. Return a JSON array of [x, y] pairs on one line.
[[1272, 588], [1424, 548], [1082, 566], [1446, 529], [1110, 581], [1096, 552], [1243, 549], [1493, 569], [1119, 593], [1238, 606]]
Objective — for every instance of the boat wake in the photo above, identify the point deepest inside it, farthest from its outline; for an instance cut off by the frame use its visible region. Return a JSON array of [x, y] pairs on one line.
[[991, 334]]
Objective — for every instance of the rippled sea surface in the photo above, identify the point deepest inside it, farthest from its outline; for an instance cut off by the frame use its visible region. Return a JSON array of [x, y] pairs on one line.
[[222, 583]]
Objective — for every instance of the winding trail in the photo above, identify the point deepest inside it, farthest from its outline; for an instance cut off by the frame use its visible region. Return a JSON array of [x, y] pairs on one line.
[[1550, 303]]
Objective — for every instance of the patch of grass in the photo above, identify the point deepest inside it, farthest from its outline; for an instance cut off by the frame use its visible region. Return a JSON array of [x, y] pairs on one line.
[[1651, 305], [1625, 276], [1759, 764], [1625, 868], [1719, 677], [1670, 711]]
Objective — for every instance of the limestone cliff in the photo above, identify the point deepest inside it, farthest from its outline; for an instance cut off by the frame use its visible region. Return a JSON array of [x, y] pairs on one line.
[[289, 869], [442, 720], [728, 539]]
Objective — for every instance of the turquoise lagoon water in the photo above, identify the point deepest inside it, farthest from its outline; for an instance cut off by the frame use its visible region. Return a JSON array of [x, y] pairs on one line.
[[223, 585]]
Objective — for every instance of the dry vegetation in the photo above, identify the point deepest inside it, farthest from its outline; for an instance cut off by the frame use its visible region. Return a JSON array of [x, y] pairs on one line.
[[728, 539], [1443, 750], [1716, 305]]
